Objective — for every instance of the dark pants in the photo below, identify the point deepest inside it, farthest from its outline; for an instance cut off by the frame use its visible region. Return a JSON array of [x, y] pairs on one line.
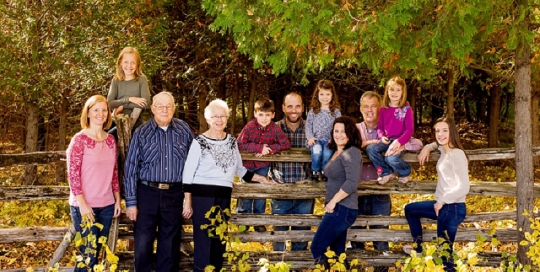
[[207, 251], [373, 205], [291, 206], [450, 216], [160, 215], [101, 215]]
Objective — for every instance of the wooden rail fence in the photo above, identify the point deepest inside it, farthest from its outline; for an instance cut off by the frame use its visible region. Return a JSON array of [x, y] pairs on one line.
[[303, 190]]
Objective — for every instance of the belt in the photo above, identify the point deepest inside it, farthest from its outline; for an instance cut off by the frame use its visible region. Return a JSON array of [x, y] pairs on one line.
[[162, 186]]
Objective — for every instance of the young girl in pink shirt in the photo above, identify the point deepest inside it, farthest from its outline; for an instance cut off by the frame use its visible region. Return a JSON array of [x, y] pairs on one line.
[[93, 177], [395, 128]]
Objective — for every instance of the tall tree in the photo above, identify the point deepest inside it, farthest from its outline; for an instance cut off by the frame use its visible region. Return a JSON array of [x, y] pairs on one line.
[[523, 128], [48, 47], [420, 38]]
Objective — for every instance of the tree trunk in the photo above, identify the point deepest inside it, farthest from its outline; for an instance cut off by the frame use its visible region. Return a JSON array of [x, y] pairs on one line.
[[420, 110], [495, 109], [234, 103], [31, 143], [523, 136], [468, 111], [412, 97], [62, 131], [450, 90], [244, 117], [221, 91], [251, 104], [203, 126], [507, 105], [535, 103], [437, 104]]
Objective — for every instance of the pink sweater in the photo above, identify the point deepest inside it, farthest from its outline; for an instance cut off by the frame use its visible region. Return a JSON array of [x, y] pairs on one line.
[[396, 123], [92, 170]]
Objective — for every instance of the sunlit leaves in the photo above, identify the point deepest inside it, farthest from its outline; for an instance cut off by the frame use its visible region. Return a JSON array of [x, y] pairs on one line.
[[293, 35]]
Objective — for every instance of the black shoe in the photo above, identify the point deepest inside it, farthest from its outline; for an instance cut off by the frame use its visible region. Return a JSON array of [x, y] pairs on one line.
[[315, 176], [260, 228], [323, 260], [323, 177]]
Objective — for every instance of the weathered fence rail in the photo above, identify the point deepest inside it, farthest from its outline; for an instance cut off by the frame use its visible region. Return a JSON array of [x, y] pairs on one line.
[[303, 190], [307, 190], [294, 155]]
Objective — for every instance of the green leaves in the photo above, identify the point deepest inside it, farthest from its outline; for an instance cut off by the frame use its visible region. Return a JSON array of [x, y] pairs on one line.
[[418, 36]]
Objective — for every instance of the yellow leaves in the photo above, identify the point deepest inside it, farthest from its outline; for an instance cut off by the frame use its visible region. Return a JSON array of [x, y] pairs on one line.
[[439, 7], [9, 261], [347, 6], [472, 259], [330, 254]]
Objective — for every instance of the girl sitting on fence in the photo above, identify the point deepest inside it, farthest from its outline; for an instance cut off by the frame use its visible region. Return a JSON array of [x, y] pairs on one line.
[[395, 128]]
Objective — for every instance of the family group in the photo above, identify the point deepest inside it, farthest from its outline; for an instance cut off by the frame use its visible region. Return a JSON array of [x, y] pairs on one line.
[[170, 174]]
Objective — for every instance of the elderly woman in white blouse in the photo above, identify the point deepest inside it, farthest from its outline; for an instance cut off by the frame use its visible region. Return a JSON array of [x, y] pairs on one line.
[[211, 165]]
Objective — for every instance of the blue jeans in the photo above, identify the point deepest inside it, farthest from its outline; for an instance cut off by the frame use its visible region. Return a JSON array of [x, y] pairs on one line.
[[101, 215], [373, 205], [320, 155], [388, 164], [253, 205], [291, 206], [450, 216], [332, 232]]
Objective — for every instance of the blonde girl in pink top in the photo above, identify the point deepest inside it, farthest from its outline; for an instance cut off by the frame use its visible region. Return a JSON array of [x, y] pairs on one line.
[[93, 175]]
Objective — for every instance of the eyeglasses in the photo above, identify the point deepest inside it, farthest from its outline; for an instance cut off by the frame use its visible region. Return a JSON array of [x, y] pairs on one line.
[[161, 107], [218, 117]]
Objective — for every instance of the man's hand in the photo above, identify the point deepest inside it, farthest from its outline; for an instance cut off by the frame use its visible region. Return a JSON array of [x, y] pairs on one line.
[[312, 141], [132, 212]]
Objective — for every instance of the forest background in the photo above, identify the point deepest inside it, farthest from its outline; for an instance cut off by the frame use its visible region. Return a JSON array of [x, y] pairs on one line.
[[474, 60]]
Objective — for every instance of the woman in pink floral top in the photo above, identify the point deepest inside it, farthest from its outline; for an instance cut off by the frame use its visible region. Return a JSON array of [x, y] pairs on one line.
[[93, 176]]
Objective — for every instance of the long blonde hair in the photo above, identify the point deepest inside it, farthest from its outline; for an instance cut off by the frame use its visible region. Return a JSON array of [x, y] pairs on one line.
[[119, 75], [401, 82]]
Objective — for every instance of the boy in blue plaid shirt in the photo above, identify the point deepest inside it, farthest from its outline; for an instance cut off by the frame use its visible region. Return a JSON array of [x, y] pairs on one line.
[[262, 137]]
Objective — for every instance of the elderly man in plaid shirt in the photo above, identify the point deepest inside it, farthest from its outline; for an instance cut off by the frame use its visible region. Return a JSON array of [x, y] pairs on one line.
[[291, 172]]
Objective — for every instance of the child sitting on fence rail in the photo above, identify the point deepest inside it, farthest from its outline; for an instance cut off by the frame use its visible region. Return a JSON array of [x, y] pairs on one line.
[[395, 128]]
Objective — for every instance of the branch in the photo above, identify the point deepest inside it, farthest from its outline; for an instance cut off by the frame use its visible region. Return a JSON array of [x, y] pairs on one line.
[[534, 26], [492, 72]]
